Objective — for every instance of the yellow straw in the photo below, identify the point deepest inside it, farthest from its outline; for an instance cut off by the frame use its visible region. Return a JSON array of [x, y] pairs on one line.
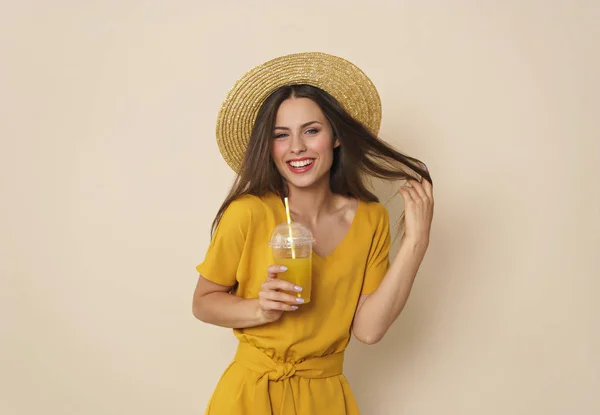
[[289, 221]]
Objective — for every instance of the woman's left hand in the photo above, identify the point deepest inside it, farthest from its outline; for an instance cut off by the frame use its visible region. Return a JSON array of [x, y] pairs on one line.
[[418, 211]]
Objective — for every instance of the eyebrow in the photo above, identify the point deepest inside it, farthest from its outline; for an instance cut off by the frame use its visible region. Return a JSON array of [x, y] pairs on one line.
[[306, 124]]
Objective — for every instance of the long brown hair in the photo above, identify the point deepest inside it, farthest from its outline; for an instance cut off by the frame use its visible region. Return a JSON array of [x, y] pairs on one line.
[[359, 155]]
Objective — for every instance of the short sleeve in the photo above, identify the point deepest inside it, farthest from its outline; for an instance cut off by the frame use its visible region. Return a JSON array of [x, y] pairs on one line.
[[378, 261], [227, 245]]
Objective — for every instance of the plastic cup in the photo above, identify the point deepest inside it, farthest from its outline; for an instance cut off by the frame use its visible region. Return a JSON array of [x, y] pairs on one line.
[[292, 247]]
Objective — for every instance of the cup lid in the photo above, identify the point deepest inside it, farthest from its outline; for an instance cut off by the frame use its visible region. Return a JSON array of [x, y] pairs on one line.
[[288, 235]]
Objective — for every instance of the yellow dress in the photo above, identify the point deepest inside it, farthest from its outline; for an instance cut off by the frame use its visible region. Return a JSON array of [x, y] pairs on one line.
[[293, 366]]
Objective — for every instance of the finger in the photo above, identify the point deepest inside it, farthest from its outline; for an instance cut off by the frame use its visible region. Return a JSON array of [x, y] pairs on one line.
[[275, 284], [276, 306], [280, 297], [283, 285], [405, 194], [428, 187], [419, 189], [273, 270], [413, 194]]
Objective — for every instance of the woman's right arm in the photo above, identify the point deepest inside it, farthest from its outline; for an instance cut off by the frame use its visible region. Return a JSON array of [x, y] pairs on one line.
[[213, 303]]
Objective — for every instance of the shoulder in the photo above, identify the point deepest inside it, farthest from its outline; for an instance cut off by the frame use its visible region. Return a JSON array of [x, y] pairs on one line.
[[375, 211], [374, 219], [249, 207], [244, 204]]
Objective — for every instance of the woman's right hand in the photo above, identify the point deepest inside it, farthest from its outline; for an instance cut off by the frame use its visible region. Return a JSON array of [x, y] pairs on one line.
[[273, 299]]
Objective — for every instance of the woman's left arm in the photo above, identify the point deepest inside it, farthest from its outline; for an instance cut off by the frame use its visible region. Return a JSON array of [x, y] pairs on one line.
[[377, 311]]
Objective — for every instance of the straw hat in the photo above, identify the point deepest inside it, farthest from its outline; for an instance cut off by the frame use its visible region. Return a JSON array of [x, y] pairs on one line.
[[340, 78]]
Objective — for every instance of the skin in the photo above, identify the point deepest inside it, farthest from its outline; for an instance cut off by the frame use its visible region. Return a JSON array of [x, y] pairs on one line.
[[302, 131]]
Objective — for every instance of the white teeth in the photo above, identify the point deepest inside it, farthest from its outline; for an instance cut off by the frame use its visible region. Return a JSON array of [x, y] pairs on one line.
[[298, 164]]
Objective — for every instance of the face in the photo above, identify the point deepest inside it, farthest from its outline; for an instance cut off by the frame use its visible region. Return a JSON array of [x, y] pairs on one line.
[[303, 142]]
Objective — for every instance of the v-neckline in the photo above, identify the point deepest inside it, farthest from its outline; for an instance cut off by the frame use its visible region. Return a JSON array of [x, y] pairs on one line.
[[346, 236]]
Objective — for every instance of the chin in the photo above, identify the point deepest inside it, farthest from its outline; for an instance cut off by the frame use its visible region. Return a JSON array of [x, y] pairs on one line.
[[301, 184], [305, 182]]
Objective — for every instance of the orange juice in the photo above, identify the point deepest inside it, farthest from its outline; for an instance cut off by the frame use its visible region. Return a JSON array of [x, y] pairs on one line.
[[299, 272]]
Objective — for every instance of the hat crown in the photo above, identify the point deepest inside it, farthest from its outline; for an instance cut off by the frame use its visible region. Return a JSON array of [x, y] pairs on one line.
[[340, 78]]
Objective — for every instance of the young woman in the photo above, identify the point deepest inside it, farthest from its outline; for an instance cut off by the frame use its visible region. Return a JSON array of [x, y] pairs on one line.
[[305, 126]]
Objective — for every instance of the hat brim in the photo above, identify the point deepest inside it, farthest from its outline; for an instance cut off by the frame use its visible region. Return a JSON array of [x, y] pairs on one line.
[[338, 77]]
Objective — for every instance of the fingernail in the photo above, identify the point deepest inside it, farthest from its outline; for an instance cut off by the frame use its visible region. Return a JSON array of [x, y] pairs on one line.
[[300, 300], [297, 288], [294, 307], [283, 268]]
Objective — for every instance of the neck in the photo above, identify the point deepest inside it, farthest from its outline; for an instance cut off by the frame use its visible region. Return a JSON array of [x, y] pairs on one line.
[[309, 202]]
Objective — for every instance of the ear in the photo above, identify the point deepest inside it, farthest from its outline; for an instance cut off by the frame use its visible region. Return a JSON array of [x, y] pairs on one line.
[[336, 143]]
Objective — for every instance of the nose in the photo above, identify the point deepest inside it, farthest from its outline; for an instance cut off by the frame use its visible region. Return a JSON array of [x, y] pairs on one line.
[[297, 144]]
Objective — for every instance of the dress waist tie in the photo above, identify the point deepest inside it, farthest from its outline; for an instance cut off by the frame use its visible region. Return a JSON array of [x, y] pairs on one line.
[[269, 370]]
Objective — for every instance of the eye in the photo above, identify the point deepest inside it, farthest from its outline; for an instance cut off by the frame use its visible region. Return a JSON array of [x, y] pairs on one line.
[[280, 135], [312, 131]]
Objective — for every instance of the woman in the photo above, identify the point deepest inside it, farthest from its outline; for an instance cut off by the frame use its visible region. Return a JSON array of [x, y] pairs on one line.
[[305, 126]]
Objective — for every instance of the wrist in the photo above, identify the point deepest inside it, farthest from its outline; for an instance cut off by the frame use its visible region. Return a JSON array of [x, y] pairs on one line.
[[259, 316]]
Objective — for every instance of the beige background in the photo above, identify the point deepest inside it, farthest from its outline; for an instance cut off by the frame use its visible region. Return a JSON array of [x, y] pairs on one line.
[[111, 176]]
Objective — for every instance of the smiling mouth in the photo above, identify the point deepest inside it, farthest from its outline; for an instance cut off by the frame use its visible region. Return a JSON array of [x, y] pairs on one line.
[[300, 166]]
